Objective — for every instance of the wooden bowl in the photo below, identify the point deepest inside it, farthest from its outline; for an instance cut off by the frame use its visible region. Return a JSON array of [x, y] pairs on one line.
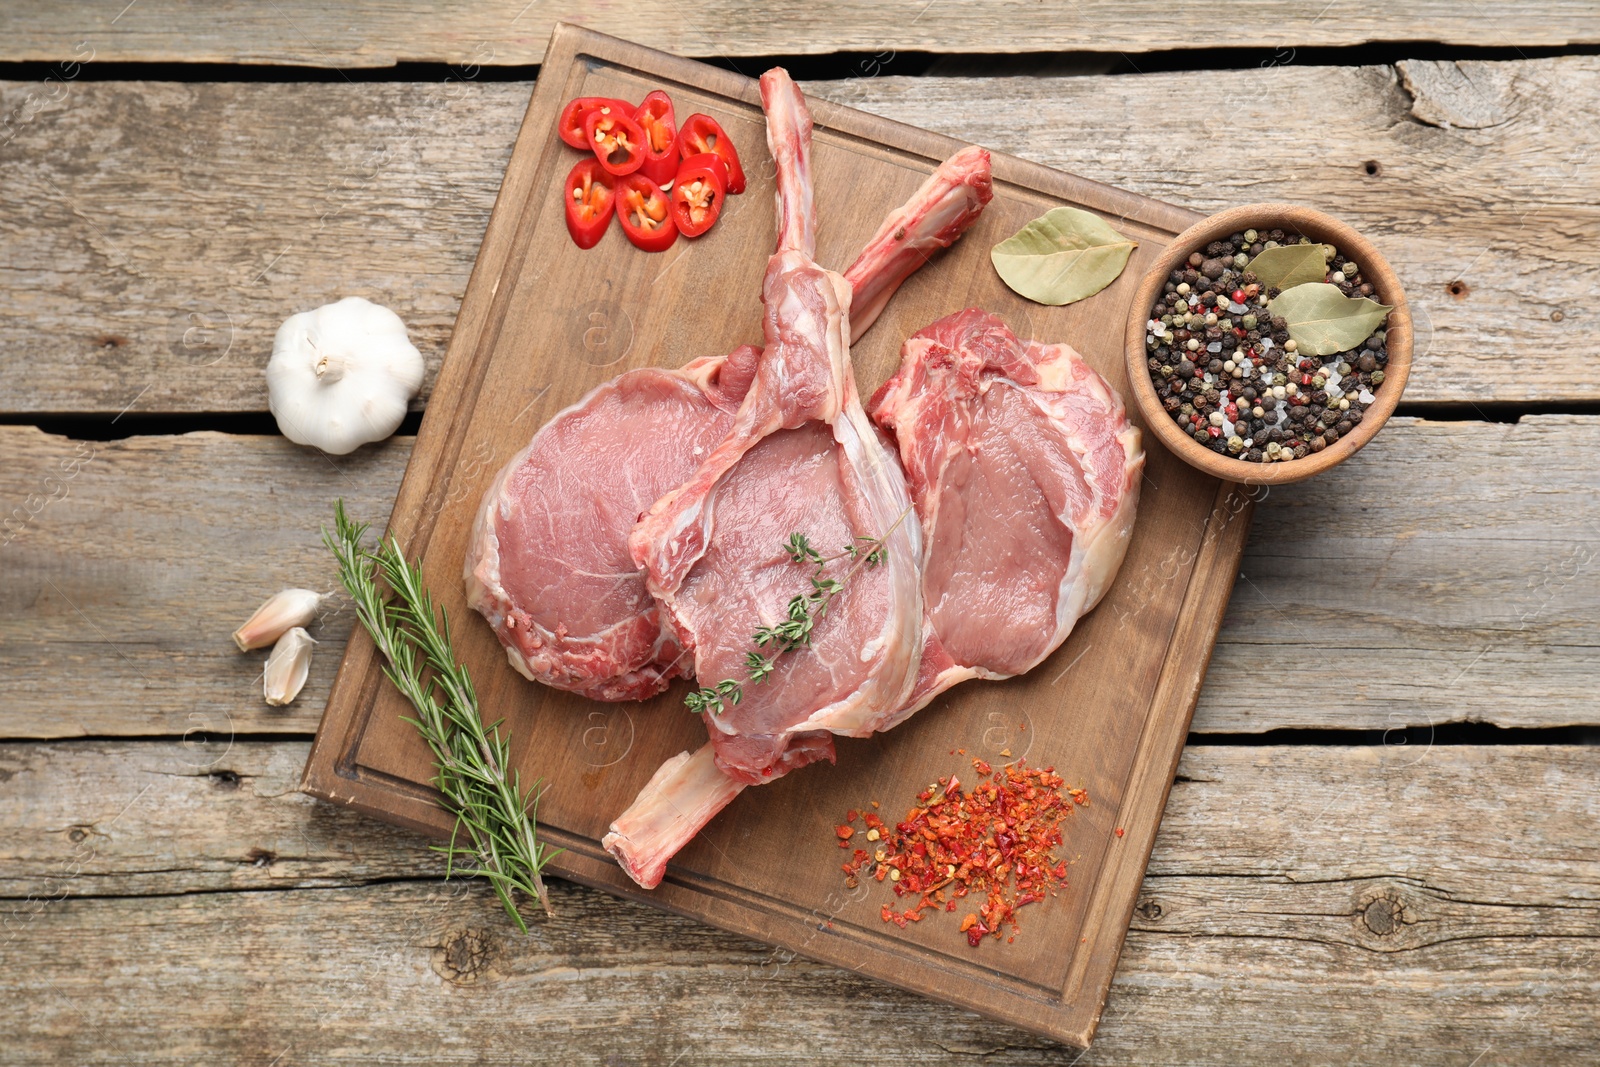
[[1319, 227]]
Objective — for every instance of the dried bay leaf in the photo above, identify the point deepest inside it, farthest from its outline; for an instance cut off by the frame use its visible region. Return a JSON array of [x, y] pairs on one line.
[[1323, 321], [1062, 256], [1287, 266]]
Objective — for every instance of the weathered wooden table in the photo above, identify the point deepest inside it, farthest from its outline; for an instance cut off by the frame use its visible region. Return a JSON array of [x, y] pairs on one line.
[[1383, 844]]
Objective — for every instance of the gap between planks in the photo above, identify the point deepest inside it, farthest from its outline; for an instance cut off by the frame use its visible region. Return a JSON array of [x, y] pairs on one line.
[[368, 33]]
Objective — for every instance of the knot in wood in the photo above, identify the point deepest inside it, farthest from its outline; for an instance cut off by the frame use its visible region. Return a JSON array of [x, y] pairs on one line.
[[1383, 916], [1149, 909], [463, 957]]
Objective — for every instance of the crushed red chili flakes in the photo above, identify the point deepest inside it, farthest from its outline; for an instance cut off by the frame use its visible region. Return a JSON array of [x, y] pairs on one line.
[[994, 840]]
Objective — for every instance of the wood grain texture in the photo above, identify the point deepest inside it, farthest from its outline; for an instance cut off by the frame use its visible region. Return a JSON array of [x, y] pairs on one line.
[[371, 33], [1491, 229], [1298, 899], [126, 565], [1463, 591], [157, 234]]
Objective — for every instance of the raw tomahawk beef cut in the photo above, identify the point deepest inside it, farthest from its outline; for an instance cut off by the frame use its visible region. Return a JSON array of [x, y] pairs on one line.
[[549, 565], [801, 457], [1025, 473]]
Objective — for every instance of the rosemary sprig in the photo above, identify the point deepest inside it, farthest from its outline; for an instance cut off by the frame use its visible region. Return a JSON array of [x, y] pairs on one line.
[[479, 787], [800, 615]]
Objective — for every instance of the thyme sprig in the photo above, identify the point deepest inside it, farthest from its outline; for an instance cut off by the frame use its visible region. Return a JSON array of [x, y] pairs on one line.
[[800, 615], [493, 812]]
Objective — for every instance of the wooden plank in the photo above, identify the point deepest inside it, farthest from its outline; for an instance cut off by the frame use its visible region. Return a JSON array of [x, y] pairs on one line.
[[1298, 899], [1463, 590], [517, 358], [126, 630], [154, 818], [147, 277], [370, 34], [1476, 221]]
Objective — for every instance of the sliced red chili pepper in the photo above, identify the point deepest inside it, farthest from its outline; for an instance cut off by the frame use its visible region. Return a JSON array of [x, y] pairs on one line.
[[701, 133], [660, 138], [645, 214], [617, 141], [590, 195], [702, 183], [570, 125]]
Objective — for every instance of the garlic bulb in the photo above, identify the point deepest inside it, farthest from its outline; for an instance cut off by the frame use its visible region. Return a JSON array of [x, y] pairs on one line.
[[341, 376], [287, 667], [282, 612]]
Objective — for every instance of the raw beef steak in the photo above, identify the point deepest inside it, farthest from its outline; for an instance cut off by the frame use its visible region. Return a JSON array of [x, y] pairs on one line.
[[548, 564], [1025, 473]]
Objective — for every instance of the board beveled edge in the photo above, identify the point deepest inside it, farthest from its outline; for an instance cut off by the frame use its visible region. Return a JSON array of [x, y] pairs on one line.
[[1189, 650], [333, 774]]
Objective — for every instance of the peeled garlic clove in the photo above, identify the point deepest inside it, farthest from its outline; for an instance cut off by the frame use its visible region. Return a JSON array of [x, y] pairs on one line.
[[287, 667], [285, 610]]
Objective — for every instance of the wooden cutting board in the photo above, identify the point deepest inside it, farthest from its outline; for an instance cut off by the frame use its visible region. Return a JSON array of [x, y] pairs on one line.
[[543, 322]]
